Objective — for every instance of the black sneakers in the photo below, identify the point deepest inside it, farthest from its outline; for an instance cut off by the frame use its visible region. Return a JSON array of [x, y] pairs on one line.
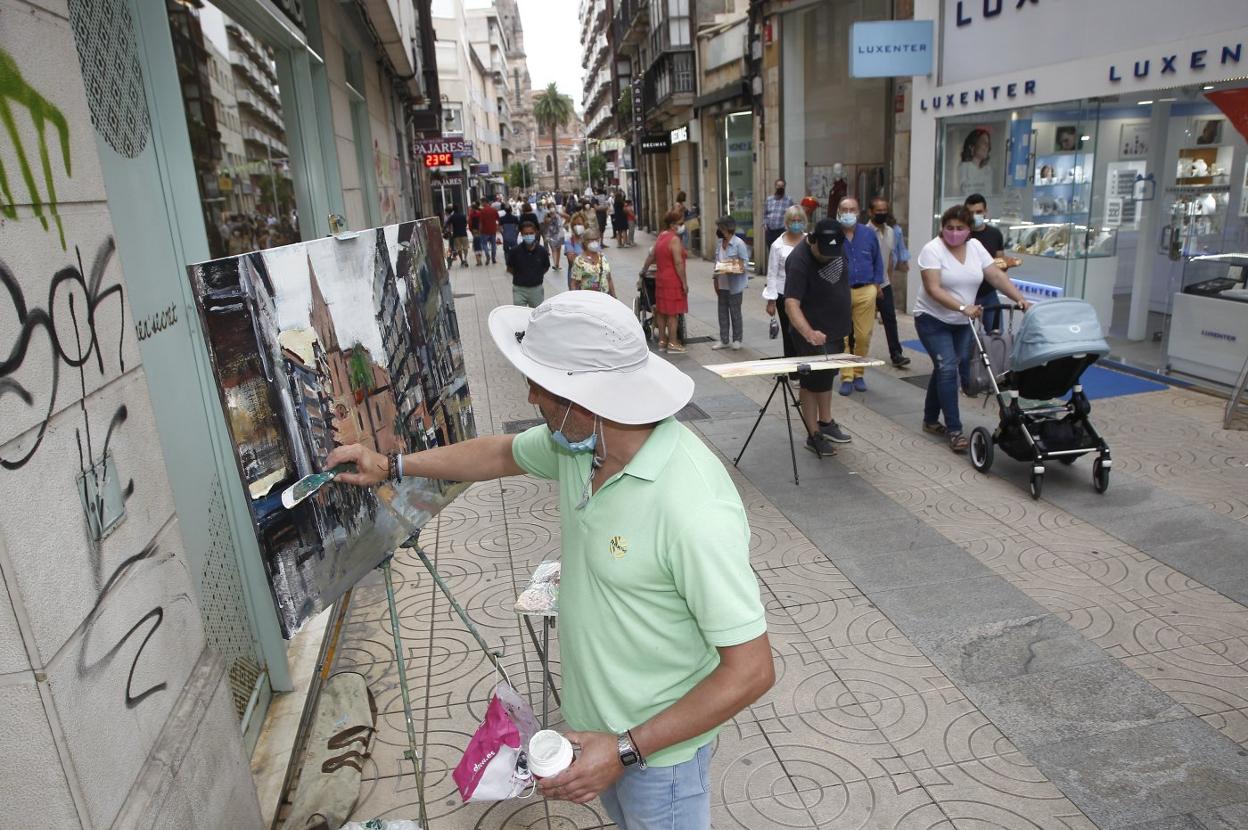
[[820, 445], [833, 432]]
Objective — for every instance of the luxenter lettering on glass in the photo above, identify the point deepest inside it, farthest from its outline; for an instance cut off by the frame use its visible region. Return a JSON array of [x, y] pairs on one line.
[[833, 271]]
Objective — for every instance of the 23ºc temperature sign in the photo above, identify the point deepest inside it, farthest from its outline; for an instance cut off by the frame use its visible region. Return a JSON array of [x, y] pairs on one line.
[[439, 159]]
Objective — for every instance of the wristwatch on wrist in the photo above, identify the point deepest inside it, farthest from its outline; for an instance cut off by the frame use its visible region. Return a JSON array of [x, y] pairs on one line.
[[962, 309], [628, 753]]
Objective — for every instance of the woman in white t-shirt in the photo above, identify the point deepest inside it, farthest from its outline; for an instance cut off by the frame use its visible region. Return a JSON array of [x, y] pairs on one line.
[[953, 266], [773, 292]]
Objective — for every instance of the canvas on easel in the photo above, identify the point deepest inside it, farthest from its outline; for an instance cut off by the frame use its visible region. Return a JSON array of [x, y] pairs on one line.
[[340, 340]]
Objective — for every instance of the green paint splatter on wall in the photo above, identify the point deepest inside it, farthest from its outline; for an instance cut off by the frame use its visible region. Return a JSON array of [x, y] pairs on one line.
[[16, 93]]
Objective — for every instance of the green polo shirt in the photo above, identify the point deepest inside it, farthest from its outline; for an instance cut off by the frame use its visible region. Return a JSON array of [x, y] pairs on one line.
[[655, 576]]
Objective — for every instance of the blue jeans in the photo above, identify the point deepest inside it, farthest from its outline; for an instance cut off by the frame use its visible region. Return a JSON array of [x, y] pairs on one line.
[[663, 798], [947, 345], [489, 246]]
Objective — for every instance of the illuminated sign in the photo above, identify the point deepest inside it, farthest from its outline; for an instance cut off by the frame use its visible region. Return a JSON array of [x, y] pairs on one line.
[[439, 159], [680, 134]]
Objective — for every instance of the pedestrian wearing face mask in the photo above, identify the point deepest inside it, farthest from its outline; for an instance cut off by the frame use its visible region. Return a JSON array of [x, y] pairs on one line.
[[731, 256], [773, 213], [953, 265], [662, 631], [590, 270], [527, 263], [671, 282], [866, 283], [896, 260], [574, 244], [795, 226], [994, 243]]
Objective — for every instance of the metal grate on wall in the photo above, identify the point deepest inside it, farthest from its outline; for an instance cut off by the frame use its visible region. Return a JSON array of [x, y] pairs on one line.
[[227, 628]]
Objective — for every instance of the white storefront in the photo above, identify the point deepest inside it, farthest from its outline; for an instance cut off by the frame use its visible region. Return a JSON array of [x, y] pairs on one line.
[[1103, 137]]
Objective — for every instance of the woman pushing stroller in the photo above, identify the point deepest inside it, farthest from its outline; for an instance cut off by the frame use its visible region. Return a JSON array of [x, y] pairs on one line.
[[953, 265]]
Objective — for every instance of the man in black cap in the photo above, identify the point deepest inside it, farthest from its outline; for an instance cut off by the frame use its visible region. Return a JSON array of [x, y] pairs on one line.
[[817, 301]]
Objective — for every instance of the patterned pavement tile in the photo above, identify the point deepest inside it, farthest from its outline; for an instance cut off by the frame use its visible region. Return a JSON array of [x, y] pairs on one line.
[[798, 585], [1201, 614], [1002, 793], [936, 729], [1064, 588], [1233, 724], [1202, 680], [884, 669], [804, 681], [1124, 628], [829, 747]]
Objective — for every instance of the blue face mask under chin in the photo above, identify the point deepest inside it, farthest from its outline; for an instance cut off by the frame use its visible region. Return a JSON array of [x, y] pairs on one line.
[[584, 445]]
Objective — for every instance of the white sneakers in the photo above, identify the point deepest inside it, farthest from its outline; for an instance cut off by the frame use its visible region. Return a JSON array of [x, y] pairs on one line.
[[719, 346], [736, 344]]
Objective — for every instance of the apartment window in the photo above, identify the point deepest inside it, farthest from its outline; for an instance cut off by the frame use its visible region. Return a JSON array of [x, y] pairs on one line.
[[678, 23], [452, 119], [550, 164]]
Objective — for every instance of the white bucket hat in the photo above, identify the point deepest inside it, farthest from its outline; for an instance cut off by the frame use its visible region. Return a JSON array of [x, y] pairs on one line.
[[588, 347]]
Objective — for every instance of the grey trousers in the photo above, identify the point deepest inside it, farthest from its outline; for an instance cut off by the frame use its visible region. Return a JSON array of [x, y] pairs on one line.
[[730, 312]]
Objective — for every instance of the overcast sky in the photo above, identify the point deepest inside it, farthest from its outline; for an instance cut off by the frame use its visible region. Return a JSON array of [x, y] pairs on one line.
[[552, 39]]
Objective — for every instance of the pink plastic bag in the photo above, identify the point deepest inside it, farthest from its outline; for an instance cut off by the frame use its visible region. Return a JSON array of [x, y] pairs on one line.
[[491, 769]]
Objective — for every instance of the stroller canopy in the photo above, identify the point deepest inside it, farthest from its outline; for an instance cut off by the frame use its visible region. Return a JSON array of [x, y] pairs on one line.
[[1056, 329]]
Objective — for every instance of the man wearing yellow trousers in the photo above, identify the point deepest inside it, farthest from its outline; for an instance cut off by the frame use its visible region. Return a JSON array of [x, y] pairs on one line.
[[866, 282]]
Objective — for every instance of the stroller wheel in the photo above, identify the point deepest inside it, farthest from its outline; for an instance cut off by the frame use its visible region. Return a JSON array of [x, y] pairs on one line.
[[1037, 485], [1100, 476], [981, 449]]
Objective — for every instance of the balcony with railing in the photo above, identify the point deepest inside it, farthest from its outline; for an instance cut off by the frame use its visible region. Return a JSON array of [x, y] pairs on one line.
[[630, 23], [670, 82]]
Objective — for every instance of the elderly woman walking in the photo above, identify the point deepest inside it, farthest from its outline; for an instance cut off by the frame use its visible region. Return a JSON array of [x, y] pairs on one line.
[[590, 270]]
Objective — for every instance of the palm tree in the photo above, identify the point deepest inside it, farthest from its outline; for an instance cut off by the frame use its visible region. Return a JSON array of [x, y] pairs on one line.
[[552, 110]]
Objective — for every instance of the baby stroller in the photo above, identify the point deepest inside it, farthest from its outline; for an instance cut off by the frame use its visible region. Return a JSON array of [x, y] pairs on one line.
[[1057, 340]]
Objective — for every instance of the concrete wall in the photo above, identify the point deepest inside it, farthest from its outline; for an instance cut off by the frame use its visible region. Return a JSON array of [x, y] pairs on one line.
[[373, 190], [111, 705]]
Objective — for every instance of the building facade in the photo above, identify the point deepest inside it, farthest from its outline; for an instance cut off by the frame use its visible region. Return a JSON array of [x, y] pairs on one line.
[[1114, 161], [482, 75], [150, 635]]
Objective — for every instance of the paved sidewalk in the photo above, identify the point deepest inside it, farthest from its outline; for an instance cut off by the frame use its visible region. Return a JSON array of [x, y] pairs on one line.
[[950, 653]]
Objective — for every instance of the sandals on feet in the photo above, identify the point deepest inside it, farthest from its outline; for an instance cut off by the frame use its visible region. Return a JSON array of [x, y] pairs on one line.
[[935, 429], [958, 442]]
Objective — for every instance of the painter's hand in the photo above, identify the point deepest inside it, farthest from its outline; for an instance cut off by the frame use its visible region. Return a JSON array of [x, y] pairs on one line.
[[597, 768], [816, 338], [373, 467]]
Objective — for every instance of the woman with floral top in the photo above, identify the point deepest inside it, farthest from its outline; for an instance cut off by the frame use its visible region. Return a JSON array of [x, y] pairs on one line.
[[590, 270]]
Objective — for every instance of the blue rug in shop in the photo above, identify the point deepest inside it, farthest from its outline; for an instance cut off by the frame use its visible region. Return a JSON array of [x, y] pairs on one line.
[[1098, 382]]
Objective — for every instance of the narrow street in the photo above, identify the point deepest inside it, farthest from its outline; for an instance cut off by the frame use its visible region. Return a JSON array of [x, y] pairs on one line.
[[950, 653]]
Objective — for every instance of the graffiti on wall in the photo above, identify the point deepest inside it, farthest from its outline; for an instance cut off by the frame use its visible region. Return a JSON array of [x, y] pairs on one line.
[[69, 327], [17, 95]]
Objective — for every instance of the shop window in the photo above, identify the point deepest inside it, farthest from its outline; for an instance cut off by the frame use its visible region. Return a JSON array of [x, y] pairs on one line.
[[237, 131], [736, 174]]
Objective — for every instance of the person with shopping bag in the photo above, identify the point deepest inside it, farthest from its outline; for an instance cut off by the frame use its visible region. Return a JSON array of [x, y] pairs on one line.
[[662, 634]]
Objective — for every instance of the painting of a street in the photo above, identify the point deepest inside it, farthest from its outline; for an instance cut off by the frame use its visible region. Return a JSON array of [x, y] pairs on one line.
[[341, 340]]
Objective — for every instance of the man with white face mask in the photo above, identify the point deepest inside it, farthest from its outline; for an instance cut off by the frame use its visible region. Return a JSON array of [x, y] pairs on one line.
[[866, 283], [662, 634], [994, 243]]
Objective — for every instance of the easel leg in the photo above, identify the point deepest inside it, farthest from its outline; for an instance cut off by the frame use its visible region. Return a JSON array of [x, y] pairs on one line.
[[542, 649], [761, 412], [790, 403], [411, 754]]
